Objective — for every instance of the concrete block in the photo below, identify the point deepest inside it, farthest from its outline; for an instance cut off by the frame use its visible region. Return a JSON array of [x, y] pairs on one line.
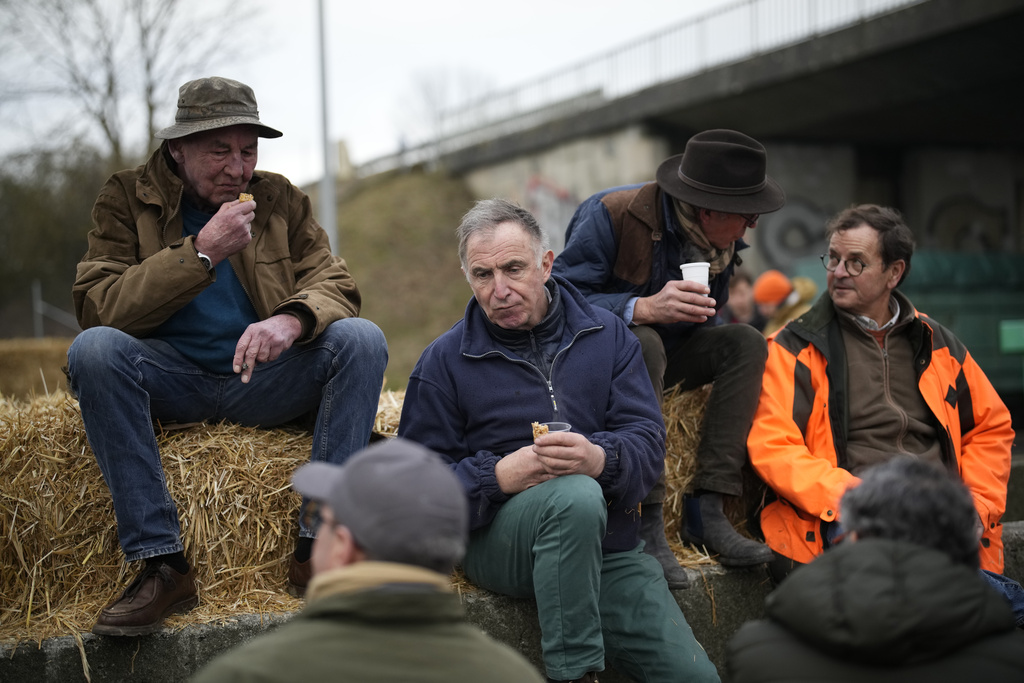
[[718, 602], [171, 656], [1015, 491]]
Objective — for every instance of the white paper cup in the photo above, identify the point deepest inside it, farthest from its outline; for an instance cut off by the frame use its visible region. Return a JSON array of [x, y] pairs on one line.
[[558, 426], [696, 271]]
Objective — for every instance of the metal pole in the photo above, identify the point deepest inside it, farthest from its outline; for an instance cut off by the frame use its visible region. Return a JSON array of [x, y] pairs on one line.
[[37, 308], [328, 207]]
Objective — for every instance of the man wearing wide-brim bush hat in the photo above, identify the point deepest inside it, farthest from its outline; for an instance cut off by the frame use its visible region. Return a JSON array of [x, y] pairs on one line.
[[209, 292], [624, 248], [210, 103]]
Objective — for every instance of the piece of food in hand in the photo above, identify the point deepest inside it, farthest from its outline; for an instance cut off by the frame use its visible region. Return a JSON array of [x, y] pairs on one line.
[[245, 197], [538, 429]]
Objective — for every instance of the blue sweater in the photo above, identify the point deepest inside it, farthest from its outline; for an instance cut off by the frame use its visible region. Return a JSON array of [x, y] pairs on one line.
[[472, 400], [206, 329]]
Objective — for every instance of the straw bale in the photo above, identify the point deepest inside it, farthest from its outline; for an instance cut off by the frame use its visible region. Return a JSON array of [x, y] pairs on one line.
[[389, 410], [683, 412], [60, 561]]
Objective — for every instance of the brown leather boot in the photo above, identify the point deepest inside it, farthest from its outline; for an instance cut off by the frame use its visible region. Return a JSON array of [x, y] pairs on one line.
[[155, 594], [299, 574]]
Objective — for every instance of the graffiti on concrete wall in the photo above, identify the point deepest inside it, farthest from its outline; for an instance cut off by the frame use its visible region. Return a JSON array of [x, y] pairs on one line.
[[962, 223], [965, 224], [792, 234], [552, 206]]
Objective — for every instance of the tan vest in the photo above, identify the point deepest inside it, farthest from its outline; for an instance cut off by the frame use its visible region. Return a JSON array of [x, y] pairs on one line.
[[635, 218]]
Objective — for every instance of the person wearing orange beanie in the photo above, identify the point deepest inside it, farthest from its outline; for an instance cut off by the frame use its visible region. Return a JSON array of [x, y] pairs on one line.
[[770, 291]]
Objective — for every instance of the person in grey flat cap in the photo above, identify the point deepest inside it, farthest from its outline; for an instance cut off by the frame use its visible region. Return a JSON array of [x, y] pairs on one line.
[[209, 292], [623, 250], [380, 606]]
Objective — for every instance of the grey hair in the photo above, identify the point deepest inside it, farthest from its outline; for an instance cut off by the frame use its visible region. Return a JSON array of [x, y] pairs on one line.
[[487, 214], [906, 499]]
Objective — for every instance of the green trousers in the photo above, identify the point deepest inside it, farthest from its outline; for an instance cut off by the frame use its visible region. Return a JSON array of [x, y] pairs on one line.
[[546, 543]]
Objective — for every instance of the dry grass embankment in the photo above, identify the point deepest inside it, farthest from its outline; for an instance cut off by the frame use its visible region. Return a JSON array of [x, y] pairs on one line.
[[32, 367], [397, 234]]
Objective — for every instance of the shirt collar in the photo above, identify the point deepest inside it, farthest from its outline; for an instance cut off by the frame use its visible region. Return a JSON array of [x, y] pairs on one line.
[[869, 324]]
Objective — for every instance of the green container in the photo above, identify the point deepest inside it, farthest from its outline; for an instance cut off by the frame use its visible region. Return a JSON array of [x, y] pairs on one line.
[[1011, 336]]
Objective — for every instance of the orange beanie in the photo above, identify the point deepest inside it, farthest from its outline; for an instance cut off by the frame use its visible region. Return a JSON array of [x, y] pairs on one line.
[[771, 287]]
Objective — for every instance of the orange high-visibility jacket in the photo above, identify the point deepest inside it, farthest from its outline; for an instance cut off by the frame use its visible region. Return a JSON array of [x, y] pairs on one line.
[[797, 443]]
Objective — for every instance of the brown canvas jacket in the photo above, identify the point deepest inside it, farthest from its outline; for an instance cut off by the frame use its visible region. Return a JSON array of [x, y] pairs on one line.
[[138, 270]]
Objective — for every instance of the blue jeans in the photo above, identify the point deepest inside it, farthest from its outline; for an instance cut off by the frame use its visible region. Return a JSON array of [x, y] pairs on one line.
[[1009, 589], [545, 542], [124, 384]]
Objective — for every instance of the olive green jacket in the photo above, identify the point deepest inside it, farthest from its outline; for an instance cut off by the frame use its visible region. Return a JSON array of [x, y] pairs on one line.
[[139, 270], [374, 622]]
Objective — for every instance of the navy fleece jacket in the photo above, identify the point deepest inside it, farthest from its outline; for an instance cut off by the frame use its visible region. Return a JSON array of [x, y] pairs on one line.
[[472, 400]]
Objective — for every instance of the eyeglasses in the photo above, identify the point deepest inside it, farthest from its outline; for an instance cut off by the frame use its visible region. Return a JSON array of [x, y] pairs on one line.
[[750, 219], [853, 266]]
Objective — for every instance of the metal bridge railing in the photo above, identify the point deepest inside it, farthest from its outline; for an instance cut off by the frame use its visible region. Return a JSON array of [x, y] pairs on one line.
[[729, 34]]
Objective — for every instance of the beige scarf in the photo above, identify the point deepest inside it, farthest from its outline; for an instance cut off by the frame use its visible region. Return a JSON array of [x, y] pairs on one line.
[[369, 575], [718, 258]]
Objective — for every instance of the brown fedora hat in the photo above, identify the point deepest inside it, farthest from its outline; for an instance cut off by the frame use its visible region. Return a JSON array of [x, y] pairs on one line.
[[215, 102], [722, 170]]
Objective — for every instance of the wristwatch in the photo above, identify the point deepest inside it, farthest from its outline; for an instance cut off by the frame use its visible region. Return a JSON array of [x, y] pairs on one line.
[[205, 260]]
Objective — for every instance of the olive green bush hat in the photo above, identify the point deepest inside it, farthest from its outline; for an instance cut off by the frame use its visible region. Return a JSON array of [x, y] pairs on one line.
[[215, 102]]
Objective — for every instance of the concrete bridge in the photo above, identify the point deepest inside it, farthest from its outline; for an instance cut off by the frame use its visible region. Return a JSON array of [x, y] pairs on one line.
[[911, 103], [916, 107]]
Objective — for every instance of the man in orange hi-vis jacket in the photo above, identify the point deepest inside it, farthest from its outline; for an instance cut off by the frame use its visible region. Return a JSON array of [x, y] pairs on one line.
[[863, 377]]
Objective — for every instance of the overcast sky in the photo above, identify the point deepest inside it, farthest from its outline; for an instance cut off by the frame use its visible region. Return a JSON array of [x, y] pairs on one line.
[[376, 51]]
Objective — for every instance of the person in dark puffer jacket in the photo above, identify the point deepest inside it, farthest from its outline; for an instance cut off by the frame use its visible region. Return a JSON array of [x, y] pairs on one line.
[[900, 599]]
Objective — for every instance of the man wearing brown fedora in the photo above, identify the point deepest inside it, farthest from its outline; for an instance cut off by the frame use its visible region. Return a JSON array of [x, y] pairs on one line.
[[208, 292], [623, 250]]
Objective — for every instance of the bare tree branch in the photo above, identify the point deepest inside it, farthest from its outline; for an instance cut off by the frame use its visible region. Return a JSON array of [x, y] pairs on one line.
[[435, 93], [118, 61]]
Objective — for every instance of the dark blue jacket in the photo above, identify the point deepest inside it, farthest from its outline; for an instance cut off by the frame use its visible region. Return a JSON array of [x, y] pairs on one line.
[[625, 242], [473, 401]]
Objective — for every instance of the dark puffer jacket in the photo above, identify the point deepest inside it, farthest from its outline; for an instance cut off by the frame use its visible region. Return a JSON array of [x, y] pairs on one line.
[[880, 611]]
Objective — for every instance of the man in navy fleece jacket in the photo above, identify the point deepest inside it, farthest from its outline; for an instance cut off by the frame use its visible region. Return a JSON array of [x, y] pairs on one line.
[[556, 518]]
